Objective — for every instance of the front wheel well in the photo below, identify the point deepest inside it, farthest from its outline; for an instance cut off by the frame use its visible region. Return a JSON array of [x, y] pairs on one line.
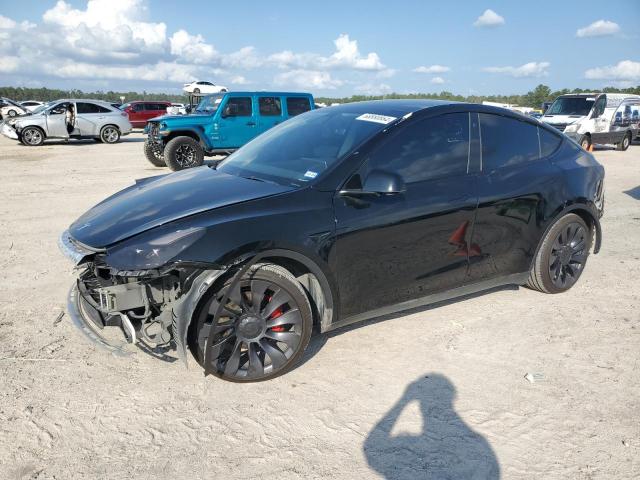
[[182, 133]]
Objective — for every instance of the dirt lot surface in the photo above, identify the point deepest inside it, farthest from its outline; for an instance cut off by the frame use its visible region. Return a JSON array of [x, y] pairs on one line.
[[435, 393]]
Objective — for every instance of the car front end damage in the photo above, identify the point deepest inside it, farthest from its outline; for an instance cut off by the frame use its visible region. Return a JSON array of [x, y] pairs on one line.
[[117, 308], [8, 130]]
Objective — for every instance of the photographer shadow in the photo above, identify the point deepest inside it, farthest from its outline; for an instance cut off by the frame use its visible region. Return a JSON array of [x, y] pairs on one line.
[[446, 447]]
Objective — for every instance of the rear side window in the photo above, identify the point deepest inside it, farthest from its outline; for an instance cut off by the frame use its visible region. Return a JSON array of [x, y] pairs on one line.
[[238, 107], [431, 148], [507, 141], [549, 142], [297, 105], [84, 107], [270, 106]]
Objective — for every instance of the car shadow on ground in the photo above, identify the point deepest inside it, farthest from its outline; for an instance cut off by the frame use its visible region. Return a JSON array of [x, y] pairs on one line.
[[446, 446], [89, 141], [634, 192]]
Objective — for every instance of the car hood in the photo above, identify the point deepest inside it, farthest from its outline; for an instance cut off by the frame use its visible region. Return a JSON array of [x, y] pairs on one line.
[[191, 118], [158, 200], [561, 119]]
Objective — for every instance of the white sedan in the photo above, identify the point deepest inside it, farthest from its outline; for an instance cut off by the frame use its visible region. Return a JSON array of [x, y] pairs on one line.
[[31, 105], [203, 87]]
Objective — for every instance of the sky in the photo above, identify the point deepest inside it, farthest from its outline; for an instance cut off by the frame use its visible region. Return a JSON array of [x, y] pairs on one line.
[[330, 48]]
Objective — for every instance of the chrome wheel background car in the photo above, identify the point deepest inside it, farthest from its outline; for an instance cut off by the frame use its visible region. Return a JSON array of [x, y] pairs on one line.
[[110, 134], [32, 136]]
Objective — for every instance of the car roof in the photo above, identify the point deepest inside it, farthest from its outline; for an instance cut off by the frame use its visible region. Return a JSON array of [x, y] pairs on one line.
[[396, 108], [266, 93], [150, 101]]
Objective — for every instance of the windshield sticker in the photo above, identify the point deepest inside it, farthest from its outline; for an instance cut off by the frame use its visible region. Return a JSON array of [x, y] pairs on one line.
[[311, 174], [372, 117]]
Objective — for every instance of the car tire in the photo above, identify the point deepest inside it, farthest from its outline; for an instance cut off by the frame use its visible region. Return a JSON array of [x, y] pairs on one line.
[[12, 113], [255, 343], [196, 90], [585, 142], [110, 134], [562, 255], [183, 152], [32, 136], [154, 154], [624, 143]]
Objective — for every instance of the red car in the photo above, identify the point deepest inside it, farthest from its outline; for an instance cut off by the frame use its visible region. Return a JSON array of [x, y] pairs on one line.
[[140, 112]]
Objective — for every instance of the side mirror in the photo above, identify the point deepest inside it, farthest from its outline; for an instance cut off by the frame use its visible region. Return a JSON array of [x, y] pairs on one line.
[[187, 109], [377, 183]]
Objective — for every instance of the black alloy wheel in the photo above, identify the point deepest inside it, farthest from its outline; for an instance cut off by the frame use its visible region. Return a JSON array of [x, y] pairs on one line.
[[154, 154], [262, 331], [568, 255], [562, 255], [183, 152]]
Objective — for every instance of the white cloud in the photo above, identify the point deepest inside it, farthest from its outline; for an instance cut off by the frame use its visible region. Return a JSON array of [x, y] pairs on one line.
[[373, 89], [599, 29], [307, 79], [626, 70], [437, 80], [239, 80], [112, 42], [346, 56], [531, 69], [489, 19], [432, 69], [192, 47]]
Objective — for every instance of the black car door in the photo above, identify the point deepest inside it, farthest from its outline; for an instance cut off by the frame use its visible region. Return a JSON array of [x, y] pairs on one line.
[[518, 188], [397, 247]]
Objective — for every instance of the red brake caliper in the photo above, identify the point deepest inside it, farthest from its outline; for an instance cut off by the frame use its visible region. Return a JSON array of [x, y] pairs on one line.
[[277, 312]]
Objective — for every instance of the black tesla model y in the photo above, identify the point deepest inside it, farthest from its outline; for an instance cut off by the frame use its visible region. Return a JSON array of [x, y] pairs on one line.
[[335, 216]]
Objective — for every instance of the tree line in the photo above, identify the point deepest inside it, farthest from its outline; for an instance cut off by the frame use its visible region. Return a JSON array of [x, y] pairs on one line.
[[533, 98]]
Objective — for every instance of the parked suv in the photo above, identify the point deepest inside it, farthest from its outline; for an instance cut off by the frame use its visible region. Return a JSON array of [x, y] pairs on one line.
[[219, 125], [339, 215], [77, 119], [140, 112]]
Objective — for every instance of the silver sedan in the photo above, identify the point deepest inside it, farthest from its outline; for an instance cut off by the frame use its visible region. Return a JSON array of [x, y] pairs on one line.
[[68, 119]]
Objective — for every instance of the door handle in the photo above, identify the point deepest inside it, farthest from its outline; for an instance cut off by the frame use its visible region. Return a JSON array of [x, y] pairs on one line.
[[251, 124]]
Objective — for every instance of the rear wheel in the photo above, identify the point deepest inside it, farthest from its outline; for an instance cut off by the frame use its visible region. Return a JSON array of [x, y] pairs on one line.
[[154, 154], [196, 90], [32, 136], [624, 143], [183, 152], [109, 134], [562, 256], [263, 330]]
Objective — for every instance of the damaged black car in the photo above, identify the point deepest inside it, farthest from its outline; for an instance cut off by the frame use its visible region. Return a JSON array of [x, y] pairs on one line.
[[335, 216]]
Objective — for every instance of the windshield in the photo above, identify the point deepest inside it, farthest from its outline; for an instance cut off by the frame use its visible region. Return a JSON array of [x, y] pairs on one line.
[[300, 149], [42, 107], [209, 104], [571, 106]]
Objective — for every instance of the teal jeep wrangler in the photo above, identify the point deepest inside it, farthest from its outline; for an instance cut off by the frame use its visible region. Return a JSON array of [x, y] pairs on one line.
[[220, 124]]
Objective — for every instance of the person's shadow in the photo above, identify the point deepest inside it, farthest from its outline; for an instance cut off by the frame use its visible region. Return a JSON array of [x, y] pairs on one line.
[[446, 448]]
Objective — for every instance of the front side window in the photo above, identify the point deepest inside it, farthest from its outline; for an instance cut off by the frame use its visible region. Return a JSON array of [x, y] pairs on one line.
[[238, 107], [599, 107], [59, 109], [297, 105], [270, 106], [507, 141], [432, 148]]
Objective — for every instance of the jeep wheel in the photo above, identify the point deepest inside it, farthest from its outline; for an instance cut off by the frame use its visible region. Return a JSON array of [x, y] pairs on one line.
[[154, 154], [183, 152], [624, 143]]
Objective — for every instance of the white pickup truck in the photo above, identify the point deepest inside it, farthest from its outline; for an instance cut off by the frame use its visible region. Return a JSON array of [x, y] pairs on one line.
[[589, 118]]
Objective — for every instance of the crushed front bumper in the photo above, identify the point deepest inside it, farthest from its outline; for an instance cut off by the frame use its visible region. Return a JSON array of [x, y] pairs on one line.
[[80, 311], [8, 131]]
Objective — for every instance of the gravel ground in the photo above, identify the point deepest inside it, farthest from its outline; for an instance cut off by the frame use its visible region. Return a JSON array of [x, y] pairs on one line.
[[433, 393]]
